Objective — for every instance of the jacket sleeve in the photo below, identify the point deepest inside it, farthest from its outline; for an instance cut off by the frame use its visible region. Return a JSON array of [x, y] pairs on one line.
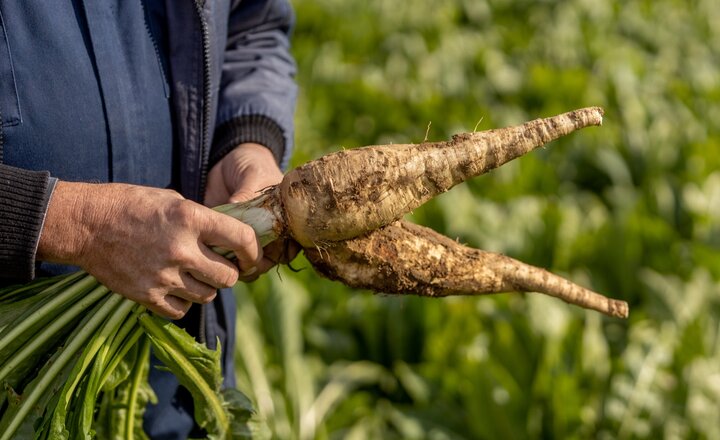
[[24, 198], [257, 91]]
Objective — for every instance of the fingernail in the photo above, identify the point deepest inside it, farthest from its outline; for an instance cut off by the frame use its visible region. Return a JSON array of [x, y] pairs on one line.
[[249, 272]]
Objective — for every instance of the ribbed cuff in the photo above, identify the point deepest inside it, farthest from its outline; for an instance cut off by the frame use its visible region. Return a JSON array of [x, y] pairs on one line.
[[250, 128], [24, 197]]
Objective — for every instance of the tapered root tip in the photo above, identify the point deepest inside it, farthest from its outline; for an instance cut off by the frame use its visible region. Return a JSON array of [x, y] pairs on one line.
[[532, 279], [594, 301], [594, 115], [617, 308], [553, 285]]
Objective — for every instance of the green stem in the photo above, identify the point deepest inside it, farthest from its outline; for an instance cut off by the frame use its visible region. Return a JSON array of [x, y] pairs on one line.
[[96, 351], [39, 340], [137, 377], [135, 331], [11, 293], [23, 302], [72, 347], [50, 308], [88, 395], [108, 355], [259, 213]]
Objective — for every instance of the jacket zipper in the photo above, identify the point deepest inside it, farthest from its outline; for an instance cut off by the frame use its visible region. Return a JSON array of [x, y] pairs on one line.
[[205, 133], [207, 97]]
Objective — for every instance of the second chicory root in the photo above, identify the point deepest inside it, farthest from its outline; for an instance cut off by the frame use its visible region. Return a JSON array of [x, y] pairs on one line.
[[404, 258]]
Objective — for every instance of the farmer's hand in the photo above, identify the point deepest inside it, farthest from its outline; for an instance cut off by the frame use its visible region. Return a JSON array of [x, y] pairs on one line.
[[150, 245], [240, 176]]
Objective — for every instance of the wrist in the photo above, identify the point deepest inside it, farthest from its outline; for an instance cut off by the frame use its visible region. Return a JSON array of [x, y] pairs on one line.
[[257, 150], [67, 223]]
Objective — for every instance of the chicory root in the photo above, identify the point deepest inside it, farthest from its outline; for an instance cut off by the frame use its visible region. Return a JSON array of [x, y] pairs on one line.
[[348, 193], [404, 258]]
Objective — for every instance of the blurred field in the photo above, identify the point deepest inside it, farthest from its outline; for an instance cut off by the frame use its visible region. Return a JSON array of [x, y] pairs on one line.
[[631, 209]]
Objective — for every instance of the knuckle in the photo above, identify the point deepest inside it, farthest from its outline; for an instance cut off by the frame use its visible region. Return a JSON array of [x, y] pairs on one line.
[[177, 254], [174, 194], [164, 279], [155, 300], [246, 235], [208, 298], [185, 213], [246, 238]]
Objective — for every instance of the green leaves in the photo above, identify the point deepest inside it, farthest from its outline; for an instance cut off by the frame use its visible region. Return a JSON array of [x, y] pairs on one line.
[[128, 392], [53, 374], [243, 423], [224, 415], [69, 378]]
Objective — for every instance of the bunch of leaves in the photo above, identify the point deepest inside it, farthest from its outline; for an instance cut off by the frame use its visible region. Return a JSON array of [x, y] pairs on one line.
[[74, 360]]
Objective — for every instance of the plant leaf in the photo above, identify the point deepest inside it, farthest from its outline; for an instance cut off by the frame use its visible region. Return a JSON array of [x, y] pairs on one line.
[[223, 414], [128, 399]]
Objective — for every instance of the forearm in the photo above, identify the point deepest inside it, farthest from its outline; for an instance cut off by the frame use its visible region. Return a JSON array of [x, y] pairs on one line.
[[24, 197]]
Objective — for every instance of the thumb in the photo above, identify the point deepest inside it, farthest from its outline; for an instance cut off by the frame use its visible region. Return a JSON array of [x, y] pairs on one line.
[[242, 195]]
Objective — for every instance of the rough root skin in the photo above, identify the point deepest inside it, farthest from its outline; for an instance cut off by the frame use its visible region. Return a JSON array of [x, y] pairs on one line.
[[403, 258], [349, 193]]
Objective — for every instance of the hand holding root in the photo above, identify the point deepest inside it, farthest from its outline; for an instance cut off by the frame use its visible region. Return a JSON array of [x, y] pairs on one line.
[[240, 176], [404, 258]]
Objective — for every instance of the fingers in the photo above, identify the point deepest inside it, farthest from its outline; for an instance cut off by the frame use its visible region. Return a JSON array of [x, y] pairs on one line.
[[193, 290], [242, 196], [170, 307], [213, 269], [249, 256], [277, 252], [200, 271], [281, 251], [228, 233], [177, 301]]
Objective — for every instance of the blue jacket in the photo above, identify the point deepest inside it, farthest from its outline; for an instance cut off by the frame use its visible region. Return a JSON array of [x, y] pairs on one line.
[[230, 80], [231, 70]]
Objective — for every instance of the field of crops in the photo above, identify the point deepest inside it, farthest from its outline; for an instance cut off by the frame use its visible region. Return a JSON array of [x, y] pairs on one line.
[[630, 209]]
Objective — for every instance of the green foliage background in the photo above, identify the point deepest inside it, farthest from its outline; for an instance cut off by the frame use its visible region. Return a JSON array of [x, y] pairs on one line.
[[631, 209]]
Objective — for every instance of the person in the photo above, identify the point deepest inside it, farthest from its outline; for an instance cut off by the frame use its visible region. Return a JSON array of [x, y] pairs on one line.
[[121, 123]]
